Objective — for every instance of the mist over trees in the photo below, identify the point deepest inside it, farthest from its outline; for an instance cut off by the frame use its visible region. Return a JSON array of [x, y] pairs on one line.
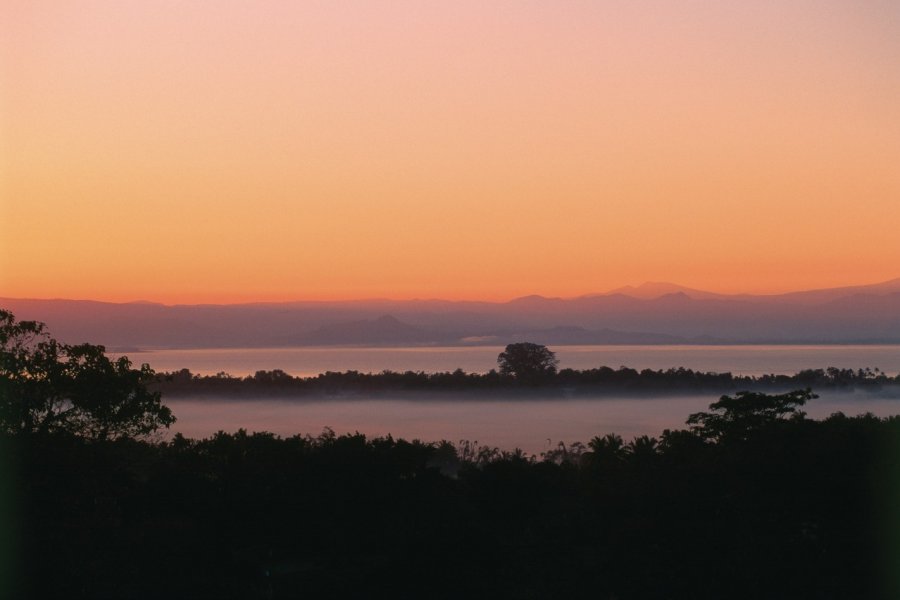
[[745, 503], [750, 500]]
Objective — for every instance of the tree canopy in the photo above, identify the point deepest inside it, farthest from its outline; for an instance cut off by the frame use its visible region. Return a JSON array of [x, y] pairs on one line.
[[527, 362], [735, 417], [47, 387]]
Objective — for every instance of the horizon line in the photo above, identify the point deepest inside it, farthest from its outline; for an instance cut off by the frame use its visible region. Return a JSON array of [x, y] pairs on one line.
[[614, 291]]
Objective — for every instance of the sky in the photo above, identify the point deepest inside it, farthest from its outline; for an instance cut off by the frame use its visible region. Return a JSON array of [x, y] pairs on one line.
[[222, 151]]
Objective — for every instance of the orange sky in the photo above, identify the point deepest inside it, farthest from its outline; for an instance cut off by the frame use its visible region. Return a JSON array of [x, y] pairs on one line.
[[230, 151]]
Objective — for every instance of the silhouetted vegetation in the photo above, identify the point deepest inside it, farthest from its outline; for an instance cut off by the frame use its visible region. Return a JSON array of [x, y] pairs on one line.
[[48, 387], [623, 380], [752, 500], [528, 363], [769, 505]]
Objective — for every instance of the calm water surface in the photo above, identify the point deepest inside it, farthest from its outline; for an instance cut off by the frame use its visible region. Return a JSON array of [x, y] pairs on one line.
[[533, 424], [746, 360]]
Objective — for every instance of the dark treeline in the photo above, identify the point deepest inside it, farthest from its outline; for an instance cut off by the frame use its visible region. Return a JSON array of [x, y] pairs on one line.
[[751, 500], [568, 381]]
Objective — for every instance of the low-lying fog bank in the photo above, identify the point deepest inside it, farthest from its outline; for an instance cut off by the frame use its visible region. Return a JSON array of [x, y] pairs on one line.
[[534, 425]]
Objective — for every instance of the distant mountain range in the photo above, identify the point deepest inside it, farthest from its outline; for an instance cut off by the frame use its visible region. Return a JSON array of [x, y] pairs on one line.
[[652, 313]]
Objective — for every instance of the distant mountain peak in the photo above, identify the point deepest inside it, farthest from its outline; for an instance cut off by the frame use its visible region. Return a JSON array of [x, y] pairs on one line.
[[673, 313], [674, 296], [650, 290], [383, 330], [817, 296], [533, 299], [389, 320]]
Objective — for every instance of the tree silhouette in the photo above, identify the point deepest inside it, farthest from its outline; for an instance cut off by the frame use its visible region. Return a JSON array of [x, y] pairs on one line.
[[736, 417], [47, 387], [607, 451], [527, 362], [642, 449]]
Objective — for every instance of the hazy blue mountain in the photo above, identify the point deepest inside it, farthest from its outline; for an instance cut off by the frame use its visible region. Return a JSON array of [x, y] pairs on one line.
[[859, 314], [655, 289], [383, 331]]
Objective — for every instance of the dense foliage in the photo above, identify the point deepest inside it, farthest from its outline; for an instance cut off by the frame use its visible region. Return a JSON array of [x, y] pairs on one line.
[[527, 363], [752, 500], [566, 382], [781, 507], [48, 387]]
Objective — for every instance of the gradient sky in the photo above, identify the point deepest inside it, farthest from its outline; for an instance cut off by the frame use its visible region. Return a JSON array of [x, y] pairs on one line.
[[228, 151]]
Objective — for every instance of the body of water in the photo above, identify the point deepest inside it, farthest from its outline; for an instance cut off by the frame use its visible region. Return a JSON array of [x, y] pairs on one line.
[[744, 360], [533, 424]]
